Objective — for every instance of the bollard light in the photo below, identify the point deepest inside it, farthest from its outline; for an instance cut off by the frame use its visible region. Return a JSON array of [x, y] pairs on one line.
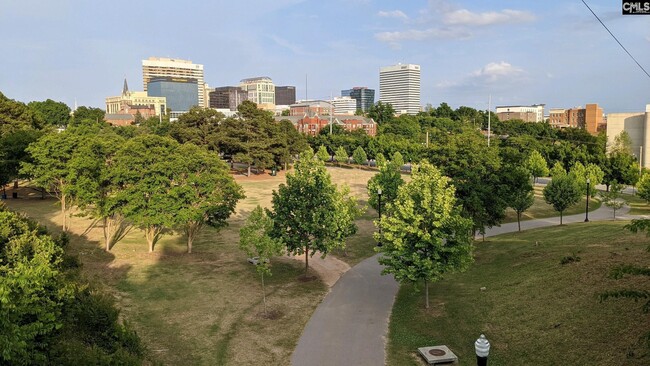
[[482, 347]]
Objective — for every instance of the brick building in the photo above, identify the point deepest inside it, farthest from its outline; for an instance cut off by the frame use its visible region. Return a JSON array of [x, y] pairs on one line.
[[589, 118], [312, 124]]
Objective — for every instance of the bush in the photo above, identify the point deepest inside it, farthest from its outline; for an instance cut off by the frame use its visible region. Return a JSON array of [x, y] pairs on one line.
[[570, 259]]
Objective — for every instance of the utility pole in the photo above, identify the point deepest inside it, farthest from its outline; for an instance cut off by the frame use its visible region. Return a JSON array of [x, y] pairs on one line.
[[489, 108], [640, 160], [331, 112]]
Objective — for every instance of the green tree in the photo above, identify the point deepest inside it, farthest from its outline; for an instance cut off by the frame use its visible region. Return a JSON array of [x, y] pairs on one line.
[[341, 155], [144, 171], [359, 156], [380, 159], [255, 240], [13, 154], [397, 160], [205, 191], [381, 112], [561, 193], [49, 168], [389, 179], [612, 198], [581, 173], [622, 168], [557, 170], [423, 235], [310, 213], [84, 115], [622, 144], [643, 187], [53, 113], [520, 193], [537, 165], [322, 153]]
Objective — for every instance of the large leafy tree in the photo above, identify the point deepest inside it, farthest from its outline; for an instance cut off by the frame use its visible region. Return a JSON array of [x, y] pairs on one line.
[[561, 193], [382, 112], [310, 214], [49, 167], [144, 170], [53, 113], [204, 190], [198, 126], [255, 240], [581, 173], [85, 115], [12, 152], [424, 235]]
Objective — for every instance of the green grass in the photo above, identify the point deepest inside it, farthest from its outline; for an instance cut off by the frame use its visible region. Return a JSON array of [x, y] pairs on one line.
[[540, 209], [534, 310], [638, 206]]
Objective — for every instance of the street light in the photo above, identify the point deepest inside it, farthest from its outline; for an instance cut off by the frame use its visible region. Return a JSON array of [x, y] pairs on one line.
[[587, 208], [482, 347], [379, 211]]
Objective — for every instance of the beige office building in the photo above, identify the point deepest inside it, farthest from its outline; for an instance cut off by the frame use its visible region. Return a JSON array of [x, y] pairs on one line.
[[118, 104], [175, 68], [637, 125], [261, 91]]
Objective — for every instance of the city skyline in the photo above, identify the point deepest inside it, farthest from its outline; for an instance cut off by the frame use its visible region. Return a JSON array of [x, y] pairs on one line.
[[555, 52]]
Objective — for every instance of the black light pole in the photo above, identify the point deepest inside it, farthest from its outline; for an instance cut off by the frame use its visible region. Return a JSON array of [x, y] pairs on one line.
[[587, 208], [379, 211]]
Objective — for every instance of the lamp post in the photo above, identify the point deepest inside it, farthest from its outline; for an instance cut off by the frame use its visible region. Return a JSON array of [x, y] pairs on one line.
[[379, 211], [482, 347], [587, 206]]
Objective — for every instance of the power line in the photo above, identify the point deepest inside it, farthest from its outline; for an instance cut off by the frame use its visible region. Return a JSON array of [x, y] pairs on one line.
[[616, 39]]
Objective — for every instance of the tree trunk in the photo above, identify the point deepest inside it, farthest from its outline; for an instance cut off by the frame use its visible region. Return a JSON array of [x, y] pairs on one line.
[[426, 294], [16, 184], [285, 166], [306, 259], [560, 218], [107, 233], [519, 220], [249, 171], [152, 232], [63, 213], [263, 294]]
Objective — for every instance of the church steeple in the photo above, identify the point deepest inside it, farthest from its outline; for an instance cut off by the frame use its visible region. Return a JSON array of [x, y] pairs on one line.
[[125, 89]]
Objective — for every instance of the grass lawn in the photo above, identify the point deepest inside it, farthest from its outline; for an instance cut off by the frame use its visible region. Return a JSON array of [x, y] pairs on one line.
[[638, 206], [534, 310], [206, 308], [540, 209]]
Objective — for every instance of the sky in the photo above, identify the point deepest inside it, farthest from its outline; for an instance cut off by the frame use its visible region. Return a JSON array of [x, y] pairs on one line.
[[516, 52]]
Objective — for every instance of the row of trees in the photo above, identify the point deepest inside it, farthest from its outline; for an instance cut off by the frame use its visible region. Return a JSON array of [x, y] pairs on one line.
[[149, 181]]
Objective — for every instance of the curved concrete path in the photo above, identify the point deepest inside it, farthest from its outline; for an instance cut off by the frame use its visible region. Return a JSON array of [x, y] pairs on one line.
[[350, 326]]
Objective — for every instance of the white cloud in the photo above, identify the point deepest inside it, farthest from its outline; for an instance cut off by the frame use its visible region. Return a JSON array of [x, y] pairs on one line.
[[420, 35], [493, 75], [507, 16], [288, 45], [393, 14]]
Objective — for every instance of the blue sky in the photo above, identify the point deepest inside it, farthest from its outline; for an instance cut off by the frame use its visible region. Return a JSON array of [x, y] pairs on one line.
[[520, 52]]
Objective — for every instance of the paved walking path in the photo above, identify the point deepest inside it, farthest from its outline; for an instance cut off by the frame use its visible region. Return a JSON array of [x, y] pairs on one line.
[[350, 326]]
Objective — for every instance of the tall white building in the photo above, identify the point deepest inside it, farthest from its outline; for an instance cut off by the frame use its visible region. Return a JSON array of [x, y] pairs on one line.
[[399, 85], [175, 68]]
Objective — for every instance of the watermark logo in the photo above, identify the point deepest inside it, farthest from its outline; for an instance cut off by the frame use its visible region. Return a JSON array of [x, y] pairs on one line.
[[636, 7]]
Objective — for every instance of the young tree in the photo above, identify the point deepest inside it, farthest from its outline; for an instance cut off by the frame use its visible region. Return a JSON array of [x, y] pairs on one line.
[[397, 159], [581, 173], [309, 213], [341, 155], [380, 159], [389, 179], [424, 236], [612, 198], [537, 165], [561, 193], [359, 156], [520, 193], [204, 189], [557, 170], [643, 187], [255, 240], [322, 153]]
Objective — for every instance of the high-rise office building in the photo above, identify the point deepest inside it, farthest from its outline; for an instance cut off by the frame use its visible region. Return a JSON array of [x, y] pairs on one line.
[[365, 97], [399, 85], [227, 97], [285, 95], [168, 67], [344, 105], [261, 91], [180, 93]]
